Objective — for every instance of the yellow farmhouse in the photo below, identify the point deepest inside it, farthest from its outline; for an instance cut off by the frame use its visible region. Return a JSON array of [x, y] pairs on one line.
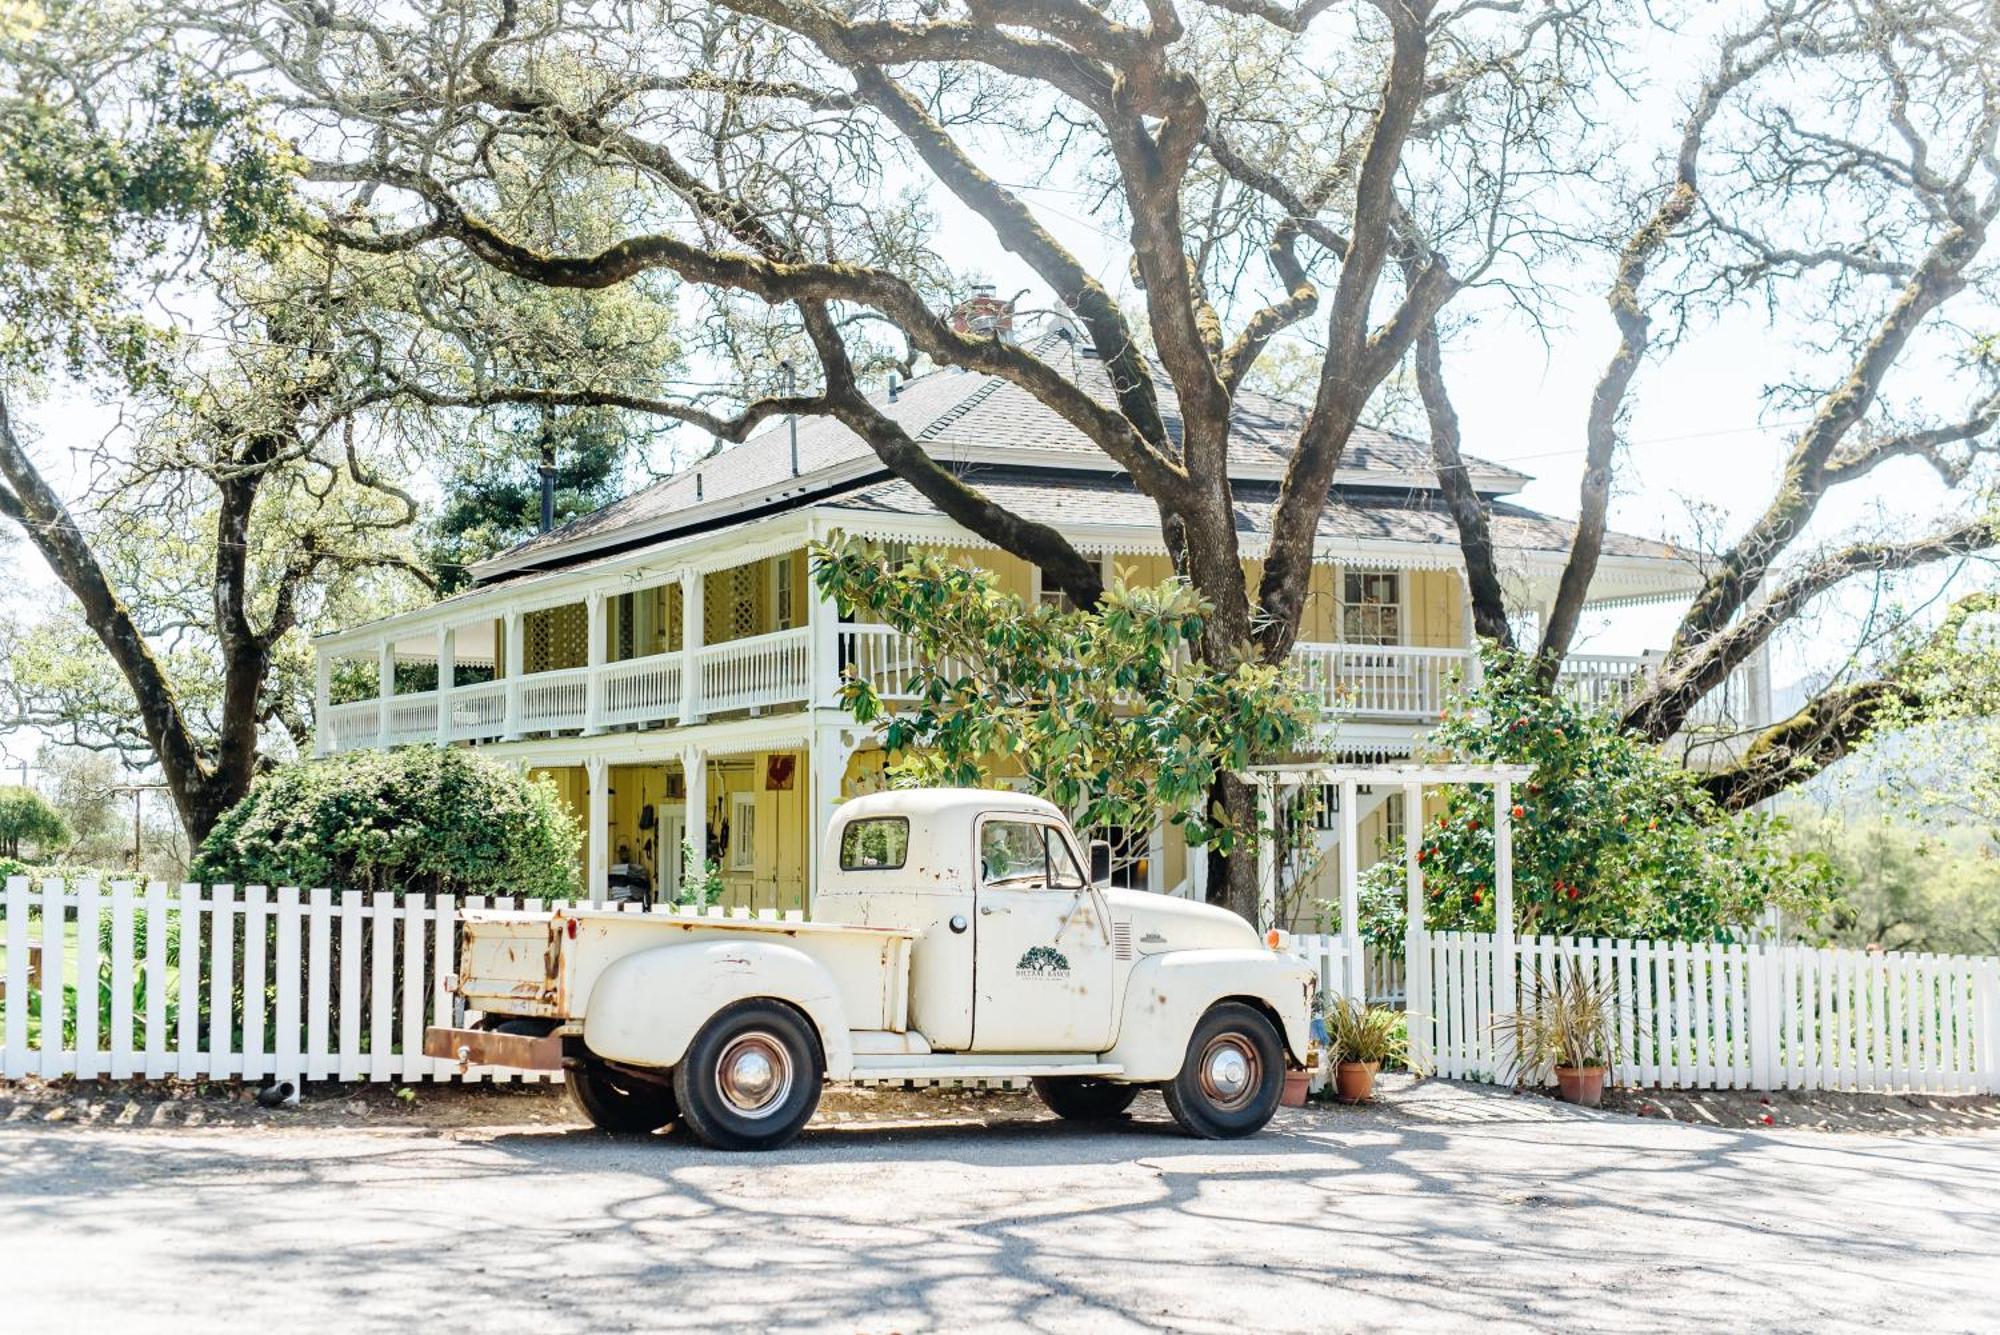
[[666, 662]]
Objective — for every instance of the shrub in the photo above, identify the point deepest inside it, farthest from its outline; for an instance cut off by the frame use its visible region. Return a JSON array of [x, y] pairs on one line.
[[1611, 836], [414, 820]]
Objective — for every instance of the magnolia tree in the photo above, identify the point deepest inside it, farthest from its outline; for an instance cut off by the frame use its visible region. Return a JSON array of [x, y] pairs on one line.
[[1106, 711], [1610, 836]]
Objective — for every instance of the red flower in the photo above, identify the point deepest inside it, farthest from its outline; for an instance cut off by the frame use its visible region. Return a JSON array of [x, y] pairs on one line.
[[1572, 892], [1479, 896], [1519, 811]]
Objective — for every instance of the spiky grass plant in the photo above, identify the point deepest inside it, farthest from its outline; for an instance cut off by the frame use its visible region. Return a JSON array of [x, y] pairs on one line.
[[1566, 1022]]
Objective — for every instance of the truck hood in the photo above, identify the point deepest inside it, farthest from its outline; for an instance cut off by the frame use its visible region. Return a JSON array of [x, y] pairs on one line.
[[1161, 924]]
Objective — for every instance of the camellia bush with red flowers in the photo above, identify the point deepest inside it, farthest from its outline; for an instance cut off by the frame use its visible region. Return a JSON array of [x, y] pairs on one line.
[[1611, 836]]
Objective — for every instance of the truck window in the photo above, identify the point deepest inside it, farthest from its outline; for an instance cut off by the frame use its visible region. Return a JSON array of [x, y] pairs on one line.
[[877, 843], [1026, 853]]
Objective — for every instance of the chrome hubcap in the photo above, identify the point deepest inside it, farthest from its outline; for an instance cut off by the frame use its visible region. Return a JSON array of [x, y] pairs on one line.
[[1230, 1071], [754, 1075]]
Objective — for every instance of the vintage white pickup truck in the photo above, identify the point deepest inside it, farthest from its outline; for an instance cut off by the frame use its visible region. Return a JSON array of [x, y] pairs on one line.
[[955, 935]]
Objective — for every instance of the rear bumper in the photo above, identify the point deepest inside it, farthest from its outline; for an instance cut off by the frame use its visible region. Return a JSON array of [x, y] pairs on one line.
[[484, 1047]]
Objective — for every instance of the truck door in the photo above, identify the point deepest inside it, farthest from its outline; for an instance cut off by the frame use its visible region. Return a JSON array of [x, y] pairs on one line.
[[1042, 954]]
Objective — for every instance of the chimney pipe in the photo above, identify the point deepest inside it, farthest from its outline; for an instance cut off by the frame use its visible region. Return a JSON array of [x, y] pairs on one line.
[[548, 474], [791, 419]]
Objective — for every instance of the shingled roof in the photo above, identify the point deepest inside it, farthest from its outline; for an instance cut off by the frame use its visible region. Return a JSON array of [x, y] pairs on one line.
[[966, 420]]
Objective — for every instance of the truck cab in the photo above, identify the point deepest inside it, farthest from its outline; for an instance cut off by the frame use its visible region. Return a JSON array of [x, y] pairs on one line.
[[956, 935]]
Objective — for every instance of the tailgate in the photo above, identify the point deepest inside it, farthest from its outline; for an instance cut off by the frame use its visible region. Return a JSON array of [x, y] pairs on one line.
[[508, 961]]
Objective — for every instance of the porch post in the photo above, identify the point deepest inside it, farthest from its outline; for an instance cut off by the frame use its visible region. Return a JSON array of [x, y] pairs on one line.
[[1416, 936], [511, 728], [694, 772], [322, 702], [830, 751], [1473, 667], [824, 614], [598, 837], [385, 689], [1350, 889], [593, 657], [447, 656], [691, 627], [1503, 888], [1267, 852]]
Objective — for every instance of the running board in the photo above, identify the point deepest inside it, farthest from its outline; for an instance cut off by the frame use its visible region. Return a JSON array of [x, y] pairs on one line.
[[955, 1066]]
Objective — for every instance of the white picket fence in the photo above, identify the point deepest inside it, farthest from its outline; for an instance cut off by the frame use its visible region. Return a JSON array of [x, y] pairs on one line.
[[128, 981], [1705, 1015]]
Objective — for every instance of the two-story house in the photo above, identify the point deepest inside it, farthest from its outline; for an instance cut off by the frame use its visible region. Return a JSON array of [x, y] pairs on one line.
[[668, 664]]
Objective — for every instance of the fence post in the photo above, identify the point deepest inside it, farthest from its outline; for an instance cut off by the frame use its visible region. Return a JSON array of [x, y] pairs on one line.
[[1763, 1016], [1986, 1027], [16, 997]]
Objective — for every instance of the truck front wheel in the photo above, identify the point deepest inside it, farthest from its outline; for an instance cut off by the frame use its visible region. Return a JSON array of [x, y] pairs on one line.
[[1080, 1098], [751, 1078], [614, 1101], [1233, 1076]]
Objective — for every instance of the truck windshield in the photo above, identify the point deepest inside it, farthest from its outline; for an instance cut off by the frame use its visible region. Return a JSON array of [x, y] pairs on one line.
[[1026, 853]]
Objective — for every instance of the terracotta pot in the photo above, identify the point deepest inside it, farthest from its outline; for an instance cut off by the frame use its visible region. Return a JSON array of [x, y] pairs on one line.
[[1355, 1081], [1297, 1085], [1581, 1085]]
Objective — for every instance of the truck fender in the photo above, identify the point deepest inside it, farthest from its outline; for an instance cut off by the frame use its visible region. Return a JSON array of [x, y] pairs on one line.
[[1167, 995], [647, 1007]]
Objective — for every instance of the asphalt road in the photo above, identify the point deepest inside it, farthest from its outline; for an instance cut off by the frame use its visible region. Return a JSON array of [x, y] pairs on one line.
[[1455, 1207]]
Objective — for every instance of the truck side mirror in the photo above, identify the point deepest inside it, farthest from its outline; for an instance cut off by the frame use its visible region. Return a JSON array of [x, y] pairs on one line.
[[1100, 861]]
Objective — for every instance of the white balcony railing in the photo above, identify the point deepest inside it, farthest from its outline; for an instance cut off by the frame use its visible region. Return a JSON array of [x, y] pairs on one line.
[[642, 690], [354, 725], [1389, 681], [553, 701], [1380, 683], [479, 712], [755, 673]]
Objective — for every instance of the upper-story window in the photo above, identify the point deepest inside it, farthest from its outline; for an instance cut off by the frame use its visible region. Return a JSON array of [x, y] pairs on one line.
[[1050, 596], [1371, 607], [784, 594]]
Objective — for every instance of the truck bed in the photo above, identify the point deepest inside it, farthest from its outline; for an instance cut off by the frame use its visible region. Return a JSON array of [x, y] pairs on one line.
[[544, 964]]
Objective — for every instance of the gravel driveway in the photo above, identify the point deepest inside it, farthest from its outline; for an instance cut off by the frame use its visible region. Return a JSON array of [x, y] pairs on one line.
[[1452, 1206]]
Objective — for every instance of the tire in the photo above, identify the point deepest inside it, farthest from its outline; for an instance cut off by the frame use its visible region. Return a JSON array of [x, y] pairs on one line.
[[1080, 1098], [751, 1079], [614, 1101], [1233, 1076]]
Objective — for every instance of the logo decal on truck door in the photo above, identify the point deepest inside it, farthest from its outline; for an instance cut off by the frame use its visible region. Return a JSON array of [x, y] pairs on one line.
[[1042, 962]]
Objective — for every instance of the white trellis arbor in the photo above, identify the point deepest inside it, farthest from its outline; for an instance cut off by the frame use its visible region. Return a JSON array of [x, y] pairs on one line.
[[1272, 780]]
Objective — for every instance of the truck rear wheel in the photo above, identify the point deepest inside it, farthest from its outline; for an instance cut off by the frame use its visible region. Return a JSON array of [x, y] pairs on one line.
[[751, 1078], [1233, 1076], [1082, 1098], [615, 1101]]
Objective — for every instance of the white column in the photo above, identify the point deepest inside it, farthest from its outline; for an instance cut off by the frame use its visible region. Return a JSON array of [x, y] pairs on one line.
[[1350, 888], [1156, 858], [322, 702], [1416, 936], [1503, 889], [598, 837], [691, 629], [694, 770], [447, 656], [593, 657], [831, 748], [824, 614], [1267, 852], [385, 689], [516, 657]]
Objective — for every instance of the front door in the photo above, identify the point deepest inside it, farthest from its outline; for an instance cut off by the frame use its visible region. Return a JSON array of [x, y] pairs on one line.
[[1042, 954]]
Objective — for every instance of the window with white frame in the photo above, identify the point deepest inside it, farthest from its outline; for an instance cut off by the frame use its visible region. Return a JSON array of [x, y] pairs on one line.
[[1050, 596], [1393, 824], [784, 595], [742, 831], [1371, 607]]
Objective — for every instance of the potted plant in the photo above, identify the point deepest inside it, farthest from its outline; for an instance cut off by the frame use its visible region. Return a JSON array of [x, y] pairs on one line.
[[1564, 1029], [1361, 1038]]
